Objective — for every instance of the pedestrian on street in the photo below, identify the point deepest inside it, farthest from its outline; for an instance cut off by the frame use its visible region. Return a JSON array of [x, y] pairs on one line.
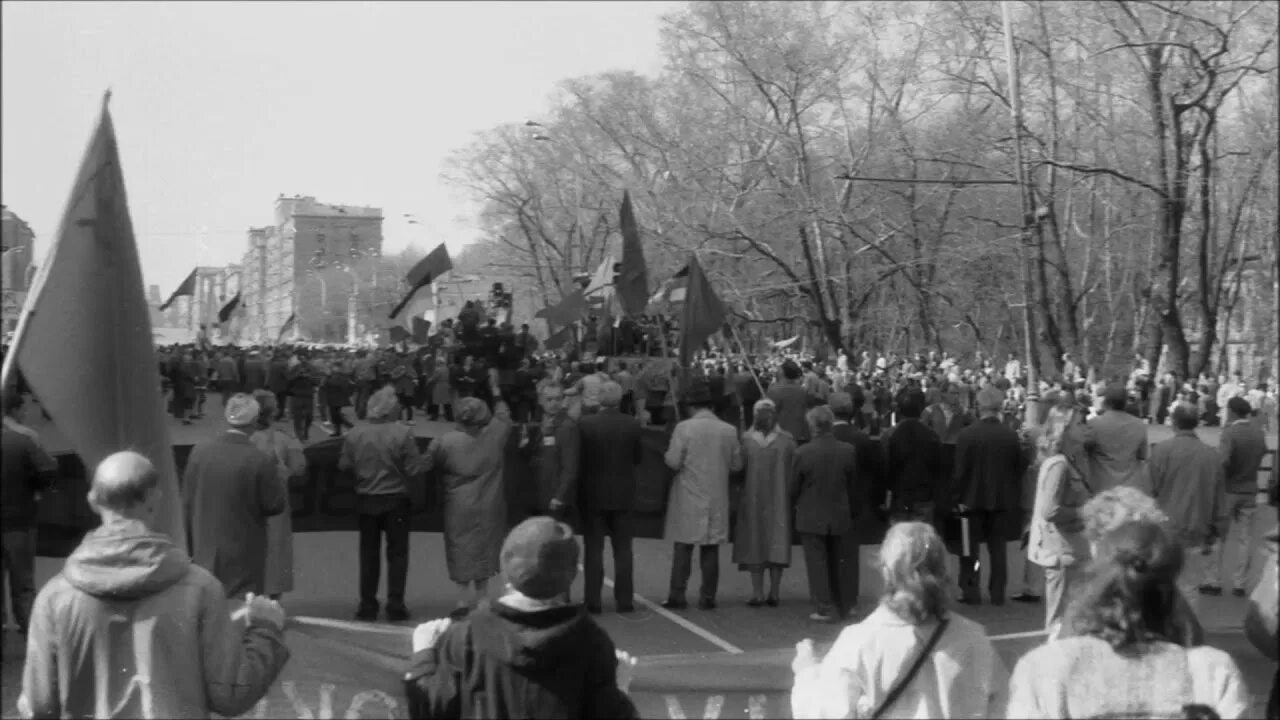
[[1124, 659], [530, 654], [228, 375], [336, 392], [471, 459], [1242, 446], [278, 380], [132, 628], [704, 450], [914, 467], [1117, 444], [611, 453], [912, 656], [1188, 482], [762, 535], [384, 457], [26, 471], [828, 494], [301, 384], [229, 489], [791, 402], [291, 465]]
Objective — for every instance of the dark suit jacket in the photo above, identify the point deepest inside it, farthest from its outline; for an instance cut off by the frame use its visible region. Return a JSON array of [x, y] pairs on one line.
[[278, 376], [555, 462], [611, 450], [947, 432], [990, 462], [229, 489], [793, 403], [824, 486], [915, 469], [255, 374], [870, 454], [1243, 446]]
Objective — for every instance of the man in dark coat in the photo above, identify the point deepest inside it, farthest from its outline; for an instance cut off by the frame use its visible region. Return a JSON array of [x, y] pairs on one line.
[[914, 474], [987, 490], [229, 489], [255, 372], [870, 453], [792, 402], [27, 471], [611, 450], [278, 381], [824, 488]]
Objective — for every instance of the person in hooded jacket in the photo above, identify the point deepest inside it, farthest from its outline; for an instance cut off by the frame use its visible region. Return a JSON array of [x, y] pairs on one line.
[[530, 654], [132, 628]]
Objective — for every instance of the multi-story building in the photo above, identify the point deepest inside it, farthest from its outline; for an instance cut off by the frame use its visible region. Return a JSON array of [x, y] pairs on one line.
[[310, 264], [18, 251]]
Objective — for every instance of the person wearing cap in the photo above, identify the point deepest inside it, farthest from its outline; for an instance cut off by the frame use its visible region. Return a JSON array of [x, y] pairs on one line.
[[704, 450], [1188, 482], [130, 627], [1117, 444], [611, 451], [530, 654], [471, 459], [1242, 446], [229, 489], [986, 489], [384, 457]]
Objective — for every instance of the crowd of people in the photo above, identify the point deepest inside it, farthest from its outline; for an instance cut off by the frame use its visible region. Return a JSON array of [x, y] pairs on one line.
[[1127, 538]]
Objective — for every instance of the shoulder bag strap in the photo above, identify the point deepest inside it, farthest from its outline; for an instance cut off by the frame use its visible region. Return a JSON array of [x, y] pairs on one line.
[[900, 685]]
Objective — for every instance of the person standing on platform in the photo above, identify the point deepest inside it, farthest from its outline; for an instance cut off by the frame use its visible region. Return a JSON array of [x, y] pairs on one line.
[[384, 457], [987, 488], [914, 467], [229, 489], [1188, 483], [471, 460], [826, 491], [291, 465], [704, 450], [762, 535], [1242, 446], [27, 471], [611, 452], [1117, 444], [132, 628]]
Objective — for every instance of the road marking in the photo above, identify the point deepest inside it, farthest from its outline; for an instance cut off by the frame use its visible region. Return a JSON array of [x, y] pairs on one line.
[[689, 625], [352, 625], [1017, 635]]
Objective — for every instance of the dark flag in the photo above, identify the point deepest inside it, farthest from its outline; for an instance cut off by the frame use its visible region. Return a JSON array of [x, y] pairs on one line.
[[704, 313], [287, 327], [398, 334], [569, 309], [428, 269], [633, 280], [225, 313], [188, 288], [91, 283], [421, 330], [560, 338]]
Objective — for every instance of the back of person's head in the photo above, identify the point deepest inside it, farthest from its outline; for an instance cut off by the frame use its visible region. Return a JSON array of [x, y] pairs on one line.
[[913, 567], [841, 404], [820, 419], [122, 482], [1239, 407], [540, 558], [1116, 506], [1129, 592], [990, 400], [1115, 397], [1185, 416], [912, 404], [790, 370], [610, 394]]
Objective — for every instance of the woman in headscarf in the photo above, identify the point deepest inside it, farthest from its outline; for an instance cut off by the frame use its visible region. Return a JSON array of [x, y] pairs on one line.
[[475, 505], [869, 670], [762, 536], [1125, 660], [291, 466]]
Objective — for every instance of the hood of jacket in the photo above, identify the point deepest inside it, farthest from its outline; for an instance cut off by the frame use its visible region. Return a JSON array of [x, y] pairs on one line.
[[529, 640], [125, 561]]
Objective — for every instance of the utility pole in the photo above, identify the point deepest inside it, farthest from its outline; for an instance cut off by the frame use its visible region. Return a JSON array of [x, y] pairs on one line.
[[1031, 413]]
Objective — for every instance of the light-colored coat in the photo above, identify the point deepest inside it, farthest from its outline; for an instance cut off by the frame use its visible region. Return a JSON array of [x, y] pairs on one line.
[[1060, 491], [704, 450], [964, 677], [291, 464], [763, 529]]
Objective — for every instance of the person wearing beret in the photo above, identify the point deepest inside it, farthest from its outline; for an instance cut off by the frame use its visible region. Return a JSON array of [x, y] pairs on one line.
[[530, 654], [229, 489]]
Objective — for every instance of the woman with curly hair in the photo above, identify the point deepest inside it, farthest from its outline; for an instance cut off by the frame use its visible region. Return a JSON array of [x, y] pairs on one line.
[[1124, 660], [911, 657]]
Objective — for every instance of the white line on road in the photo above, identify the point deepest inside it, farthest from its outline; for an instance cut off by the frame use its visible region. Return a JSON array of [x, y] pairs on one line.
[[689, 625], [1017, 635], [354, 626]]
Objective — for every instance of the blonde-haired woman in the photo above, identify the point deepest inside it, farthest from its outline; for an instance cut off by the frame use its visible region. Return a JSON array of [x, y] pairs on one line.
[[911, 657], [1056, 541]]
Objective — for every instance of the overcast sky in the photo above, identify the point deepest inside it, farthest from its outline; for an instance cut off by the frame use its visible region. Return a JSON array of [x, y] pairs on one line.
[[220, 107]]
